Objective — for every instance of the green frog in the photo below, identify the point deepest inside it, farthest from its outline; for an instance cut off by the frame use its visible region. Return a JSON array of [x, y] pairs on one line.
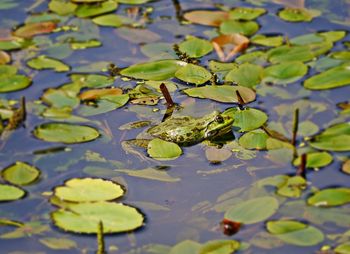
[[188, 130]]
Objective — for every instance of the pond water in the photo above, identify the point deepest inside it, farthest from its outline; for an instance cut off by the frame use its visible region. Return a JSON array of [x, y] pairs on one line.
[[184, 198]]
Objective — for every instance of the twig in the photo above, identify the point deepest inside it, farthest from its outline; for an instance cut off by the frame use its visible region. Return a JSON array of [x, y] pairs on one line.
[[240, 100], [166, 95]]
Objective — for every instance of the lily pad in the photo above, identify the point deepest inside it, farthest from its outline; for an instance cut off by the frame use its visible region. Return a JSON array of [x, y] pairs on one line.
[[32, 29], [44, 62], [151, 174], [330, 197], [252, 210], [247, 74], [315, 160], [85, 218], [343, 248], [20, 173], [192, 73], [247, 28], [285, 73], [108, 20], [208, 18], [292, 187], [62, 7], [90, 10], [335, 138], [157, 70], [222, 93], [65, 133], [10, 193], [255, 139], [249, 119], [195, 47], [185, 247], [332, 78], [92, 80], [4, 57], [14, 83], [88, 190], [296, 233], [269, 41], [163, 150], [298, 15], [244, 13], [219, 247], [58, 243]]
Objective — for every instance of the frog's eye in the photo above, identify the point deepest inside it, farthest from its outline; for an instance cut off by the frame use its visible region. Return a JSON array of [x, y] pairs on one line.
[[219, 119]]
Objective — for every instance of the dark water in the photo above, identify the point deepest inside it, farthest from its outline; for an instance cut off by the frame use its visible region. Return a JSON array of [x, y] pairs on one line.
[[200, 180]]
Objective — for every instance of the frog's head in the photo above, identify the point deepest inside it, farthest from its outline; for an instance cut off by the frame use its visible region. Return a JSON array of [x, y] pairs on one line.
[[218, 125]]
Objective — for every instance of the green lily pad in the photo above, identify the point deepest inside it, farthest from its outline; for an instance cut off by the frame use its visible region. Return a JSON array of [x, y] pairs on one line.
[[249, 119], [195, 47], [158, 50], [60, 98], [255, 57], [20, 173], [108, 20], [58, 243], [44, 62], [244, 13], [157, 70], [335, 138], [296, 233], [12, 44], [330, 197], [88, 190], [252, 210], [133, 1], [14, 83], [150, 173], [10, 193], [219, 247], [284, 73], [163, 150], [255, 139], [192, 73], [247, 28], [290, 53], [247, 75], [298, 15], [85, 218], [269, 41], [90, 10], [65, 133], [62, 7], [78, 45], [332, 78], [92, 80], [343, 248], [185, 247], [315, 160], [292, 187], [7, 71], [222, 93]]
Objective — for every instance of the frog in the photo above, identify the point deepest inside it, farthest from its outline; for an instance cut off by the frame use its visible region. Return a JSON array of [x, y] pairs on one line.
[[187, 130]]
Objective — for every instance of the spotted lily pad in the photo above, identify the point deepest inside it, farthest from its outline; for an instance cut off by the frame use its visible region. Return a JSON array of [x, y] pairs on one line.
[[222, 93], [85, 218], [192, 73], [330, 197], [298, 15], [20, 173], [44, 62], [88, 190], [163, 150], [65, 133], [252, 210], [157, 70], [10, 193], [294, 232]]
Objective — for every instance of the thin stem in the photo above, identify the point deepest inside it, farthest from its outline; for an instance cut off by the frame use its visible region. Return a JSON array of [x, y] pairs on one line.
[[178, 10], [295, 126], [302, 166], [240, 99], [100, 239], [166, 95]]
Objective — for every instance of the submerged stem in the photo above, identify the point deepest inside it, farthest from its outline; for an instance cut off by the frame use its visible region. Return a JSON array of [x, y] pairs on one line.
[[295, 126]]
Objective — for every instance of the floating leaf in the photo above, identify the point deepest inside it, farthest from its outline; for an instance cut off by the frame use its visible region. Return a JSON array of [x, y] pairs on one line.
[[157, 70], [92, 80], [7, 71], [88, 190], [62, 7], [290, 53], [247, 28], [85, 217], [216, 155], [11, 44], [108, 20], [32, 29], [244, 13], [95, 94], [58, 243], [335, 138], [10, 193], [292, 187], [285, 73], [4, 57], [332, 78], [90, 10], [208, 18], [60, 98], [138, 35], [315, 160], [85, 44], [185, 247], [14, 83], [44, 62], [192, 73], [195, 47], [298, 15], [247, 75], [65, 133], [159, 50], [219, 247], [150, 173], [330, 197], [269, 41], [222, 45], [296, 233], [249, 119], [346, 167], [255, 139], [343, 248], [20, 173], [222, 93], [252, 210], [133, 1], [163, 150]]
